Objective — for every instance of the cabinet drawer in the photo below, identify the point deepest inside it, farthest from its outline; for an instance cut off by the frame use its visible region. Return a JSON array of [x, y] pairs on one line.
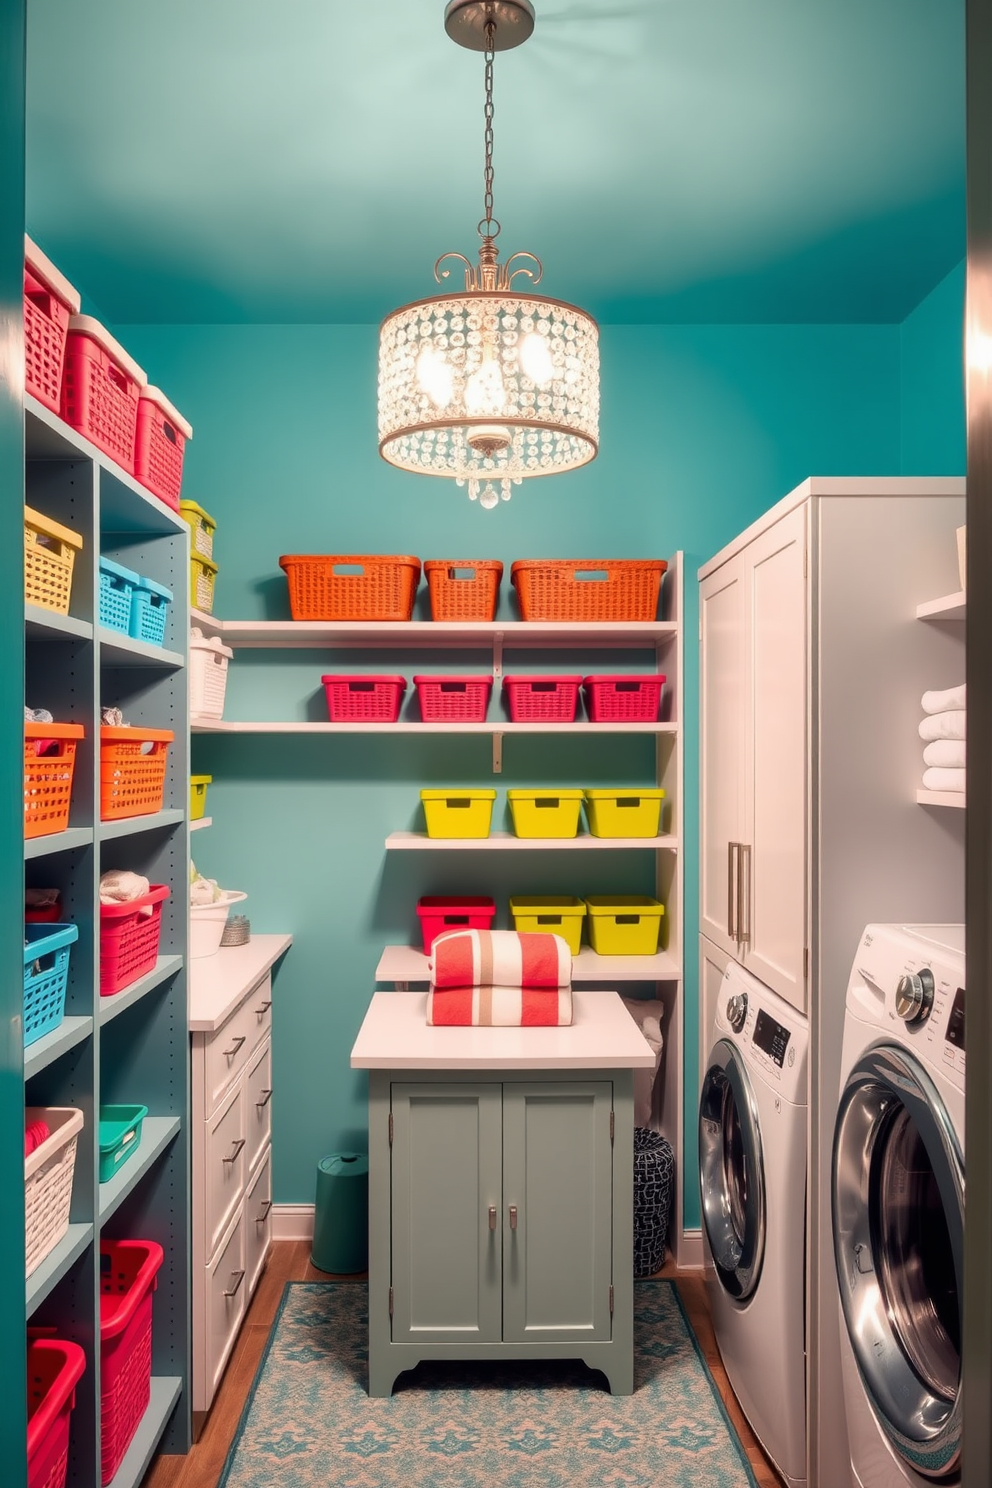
[[228, 1051], [258, 1220], [226, 1291], [258, 1103], [225, 1166]]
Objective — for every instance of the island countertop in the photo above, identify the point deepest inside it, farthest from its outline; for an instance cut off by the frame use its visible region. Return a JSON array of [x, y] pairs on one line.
[[395, 1035]]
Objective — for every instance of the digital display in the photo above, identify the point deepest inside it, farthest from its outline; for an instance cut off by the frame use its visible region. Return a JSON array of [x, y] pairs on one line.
[[771, 1038], [955, 1022]]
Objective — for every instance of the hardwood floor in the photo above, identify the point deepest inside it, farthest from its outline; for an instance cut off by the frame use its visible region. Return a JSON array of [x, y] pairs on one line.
[[289, 1260]]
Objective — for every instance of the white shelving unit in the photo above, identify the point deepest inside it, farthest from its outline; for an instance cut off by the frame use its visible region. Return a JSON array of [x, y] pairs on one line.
[[507, 842], [403, 965], [949, 607]]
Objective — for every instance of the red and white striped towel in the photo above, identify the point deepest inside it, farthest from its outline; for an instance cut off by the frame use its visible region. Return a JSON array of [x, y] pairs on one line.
[[486, 958], [500, 1007]]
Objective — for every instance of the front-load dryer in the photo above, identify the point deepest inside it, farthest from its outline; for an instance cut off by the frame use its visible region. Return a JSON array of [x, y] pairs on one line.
[[752, 1175], [898, 1204]]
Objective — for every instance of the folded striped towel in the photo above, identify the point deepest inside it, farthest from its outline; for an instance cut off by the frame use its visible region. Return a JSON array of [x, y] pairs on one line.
[[944, 780], [950, 725], [947, 754], [486, 958], [500, 1007], [943, 702]]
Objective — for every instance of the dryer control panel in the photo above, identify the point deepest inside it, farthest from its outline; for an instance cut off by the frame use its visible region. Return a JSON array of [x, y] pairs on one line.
[[915, 976], [771, 1035]]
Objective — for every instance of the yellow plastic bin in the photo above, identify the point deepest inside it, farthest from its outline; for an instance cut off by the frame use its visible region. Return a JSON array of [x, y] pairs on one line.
[[201, 528], [202, 574], [550, 914], [545, 813], [624, 813], [624, 924], [458, 813], [198, 796]]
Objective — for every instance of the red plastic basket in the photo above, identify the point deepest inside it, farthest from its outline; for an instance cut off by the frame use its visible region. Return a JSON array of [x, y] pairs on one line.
[[159, 443], [441, 912], [132, 781], [55, 1368], [374, 699], [48, 776], [542, 697], [466, 698], [127, 1279], [129, 936], [100, 386], [633, 699], [49, 300]]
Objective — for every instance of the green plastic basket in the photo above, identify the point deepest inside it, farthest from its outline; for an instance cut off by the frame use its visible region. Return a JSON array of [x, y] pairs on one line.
[[120, 1136]]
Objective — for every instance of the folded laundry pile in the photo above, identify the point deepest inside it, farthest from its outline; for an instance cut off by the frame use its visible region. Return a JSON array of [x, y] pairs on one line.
[[41, 747], [203, 890], [943, 732], [500, 979]]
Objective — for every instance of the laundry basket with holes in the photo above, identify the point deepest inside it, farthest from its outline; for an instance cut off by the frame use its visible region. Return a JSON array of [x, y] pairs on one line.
[[117, 585], [612, 698], [202, 581], [360, 698], [46, 976], [160, 438], [100, 387], [129, 939], [54, 1368], [654, 1187], [550, 699], [461, 699], [587, 589], [208, 663], [201, 528], [49, 558], [463, 588], [49, 302], [128, 1271], [132, 771], [49, 767], [341, 586], [48, 1172], [150, 604]]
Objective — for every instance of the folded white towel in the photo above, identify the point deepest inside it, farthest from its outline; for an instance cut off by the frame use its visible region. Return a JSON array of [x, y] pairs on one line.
[[120, 887], [946, 753], [944, 725], [941, 702], [944, 780]]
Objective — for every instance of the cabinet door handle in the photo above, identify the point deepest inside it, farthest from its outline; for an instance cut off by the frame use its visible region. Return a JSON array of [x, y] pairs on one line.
[[237, 1277], [492, 1216], [239, 1039], [266, 1206], [268, 1096], [237, 1151], [732, 873], [513, 1216], [744, 893], [263, 1007]]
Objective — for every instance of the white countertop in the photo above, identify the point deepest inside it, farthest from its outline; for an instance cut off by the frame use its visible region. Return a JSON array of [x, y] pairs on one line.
[[395, 1035], [217, 984]]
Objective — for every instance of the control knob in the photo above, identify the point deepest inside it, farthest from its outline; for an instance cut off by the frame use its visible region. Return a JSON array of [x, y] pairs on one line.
[[737, 1011], [914, 996]]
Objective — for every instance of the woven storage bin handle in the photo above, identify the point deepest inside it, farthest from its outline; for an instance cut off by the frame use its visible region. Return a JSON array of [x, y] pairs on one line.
[[461, 575], [348, 570], [596, 575]]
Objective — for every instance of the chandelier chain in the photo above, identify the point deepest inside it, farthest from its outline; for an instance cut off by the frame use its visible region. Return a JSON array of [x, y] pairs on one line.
[[488, 218]]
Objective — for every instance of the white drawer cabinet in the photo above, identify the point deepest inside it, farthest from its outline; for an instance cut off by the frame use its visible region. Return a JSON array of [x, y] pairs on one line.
[[230, 1022]]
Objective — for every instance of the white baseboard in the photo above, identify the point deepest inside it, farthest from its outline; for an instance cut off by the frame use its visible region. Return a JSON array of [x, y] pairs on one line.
[[292, 1221], [689, 1251]]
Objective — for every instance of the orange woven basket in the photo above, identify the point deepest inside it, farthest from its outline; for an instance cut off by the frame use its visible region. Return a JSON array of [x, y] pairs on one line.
[[463, 588], [588, 589], [48, 776], [341, 587], [132, 782]]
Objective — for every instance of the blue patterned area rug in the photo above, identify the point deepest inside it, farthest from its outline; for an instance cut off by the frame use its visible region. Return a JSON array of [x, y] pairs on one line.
[[309, 1423]]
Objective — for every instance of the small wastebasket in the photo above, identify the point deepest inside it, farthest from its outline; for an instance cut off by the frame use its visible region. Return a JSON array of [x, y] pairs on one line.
[[654, 1183], [341, 1214]]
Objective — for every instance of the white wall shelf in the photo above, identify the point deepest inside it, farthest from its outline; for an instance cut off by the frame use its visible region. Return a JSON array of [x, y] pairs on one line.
[[156, 1134], [508, 842], [497, 727], [58, 1261], [51, 1046], [480, 635], [942, 798], [200, 823], [950, 607], [405, 964], [165, 967]]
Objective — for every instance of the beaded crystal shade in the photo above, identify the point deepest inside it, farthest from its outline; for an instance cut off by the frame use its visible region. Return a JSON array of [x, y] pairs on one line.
[[494, 385]]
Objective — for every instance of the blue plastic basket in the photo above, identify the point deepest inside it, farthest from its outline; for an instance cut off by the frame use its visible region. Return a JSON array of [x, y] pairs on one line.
[[116, 588], [46, 973], [149, 611]]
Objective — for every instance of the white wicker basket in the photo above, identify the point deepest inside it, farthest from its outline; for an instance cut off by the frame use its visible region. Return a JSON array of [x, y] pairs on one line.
[[48, 1181], [208, 662]]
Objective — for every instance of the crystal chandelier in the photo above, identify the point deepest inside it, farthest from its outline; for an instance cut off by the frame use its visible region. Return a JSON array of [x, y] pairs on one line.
[[496, 384]]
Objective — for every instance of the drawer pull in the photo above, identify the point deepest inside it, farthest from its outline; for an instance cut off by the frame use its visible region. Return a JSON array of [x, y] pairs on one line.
[[266, 1206], [513, 1216], [238, 1041], [237, 1151], [260, 1104], [492, 1216], [240, 1275], [263, 1007]]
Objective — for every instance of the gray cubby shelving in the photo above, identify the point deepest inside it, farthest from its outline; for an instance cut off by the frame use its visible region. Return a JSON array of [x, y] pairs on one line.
[[132, 1047]]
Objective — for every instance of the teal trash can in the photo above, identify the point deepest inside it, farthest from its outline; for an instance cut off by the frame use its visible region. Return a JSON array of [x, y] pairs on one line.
[[341, 1214]]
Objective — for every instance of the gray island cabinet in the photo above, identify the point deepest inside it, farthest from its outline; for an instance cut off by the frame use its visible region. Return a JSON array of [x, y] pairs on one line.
[[500, 1188]]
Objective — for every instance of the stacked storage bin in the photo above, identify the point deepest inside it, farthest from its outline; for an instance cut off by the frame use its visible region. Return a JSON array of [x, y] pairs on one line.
[[203, 568], [49, 303]]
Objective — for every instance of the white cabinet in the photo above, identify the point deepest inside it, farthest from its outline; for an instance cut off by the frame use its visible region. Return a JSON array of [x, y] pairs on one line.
[[754, 636]]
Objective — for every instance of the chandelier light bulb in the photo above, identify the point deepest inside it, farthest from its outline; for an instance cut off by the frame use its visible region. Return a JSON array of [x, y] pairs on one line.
[[536, 359], [435, 376]]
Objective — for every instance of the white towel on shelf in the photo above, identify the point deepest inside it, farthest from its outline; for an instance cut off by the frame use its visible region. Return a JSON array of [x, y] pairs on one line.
[[948, 754], [943, 702], [944, 725], [944, 780]]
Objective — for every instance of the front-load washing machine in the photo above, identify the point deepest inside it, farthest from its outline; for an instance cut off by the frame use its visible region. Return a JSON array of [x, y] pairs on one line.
[[898, 1204], [752, 1176]]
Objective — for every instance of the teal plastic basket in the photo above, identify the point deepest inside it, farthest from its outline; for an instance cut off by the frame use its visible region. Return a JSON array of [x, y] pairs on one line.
[[149, 611], [116, 587], [120, 1136], [46, 975]]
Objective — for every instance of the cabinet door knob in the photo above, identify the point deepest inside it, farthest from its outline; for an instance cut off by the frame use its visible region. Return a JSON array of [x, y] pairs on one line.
[[236, 1152], [266, 1206], [267, 1094], [238, 1041], [492, 1216], [513, 1216], [237, 1277], [263, 1007]]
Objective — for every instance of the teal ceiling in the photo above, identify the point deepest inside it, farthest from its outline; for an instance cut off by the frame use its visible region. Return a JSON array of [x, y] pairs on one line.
[[670, 160]]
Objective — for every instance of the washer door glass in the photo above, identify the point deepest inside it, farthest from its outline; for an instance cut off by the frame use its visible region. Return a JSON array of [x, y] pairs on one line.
[[898, 1220], [731, 1175]]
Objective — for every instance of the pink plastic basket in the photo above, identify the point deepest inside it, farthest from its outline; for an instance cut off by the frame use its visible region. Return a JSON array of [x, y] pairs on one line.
[[466, 698], [127, 1279], [129, 936], [55, 1368], [100, 386], [555, 698], [372, 699], [632, 699], [49, 300], [440, 912], [159, 442]]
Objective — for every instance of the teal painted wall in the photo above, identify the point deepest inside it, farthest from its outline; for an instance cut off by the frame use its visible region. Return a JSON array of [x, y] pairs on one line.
[[931, 350], [702, 429]]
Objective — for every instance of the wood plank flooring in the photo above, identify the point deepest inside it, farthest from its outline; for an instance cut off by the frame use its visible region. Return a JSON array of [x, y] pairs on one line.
[[289, 1260]]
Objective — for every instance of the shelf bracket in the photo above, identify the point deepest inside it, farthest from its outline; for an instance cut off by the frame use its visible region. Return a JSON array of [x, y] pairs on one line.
[[497, 658], [497, 754]]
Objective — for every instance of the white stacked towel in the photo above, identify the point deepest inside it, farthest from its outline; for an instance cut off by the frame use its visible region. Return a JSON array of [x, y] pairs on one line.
[[943, 730]]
